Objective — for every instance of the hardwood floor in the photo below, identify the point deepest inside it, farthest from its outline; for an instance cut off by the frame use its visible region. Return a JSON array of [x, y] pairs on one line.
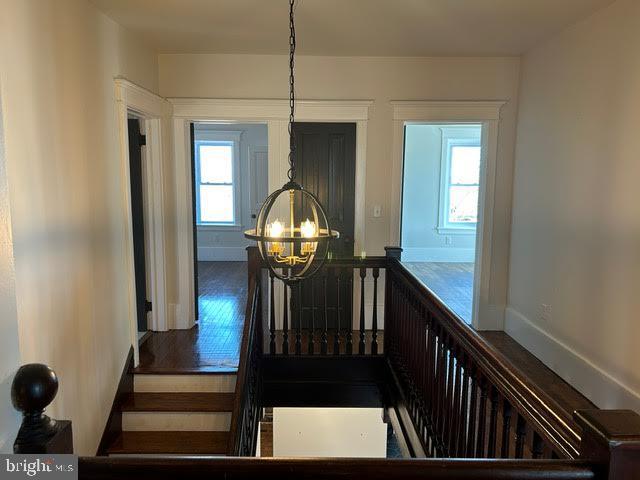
[[451, 282], [213, 344]]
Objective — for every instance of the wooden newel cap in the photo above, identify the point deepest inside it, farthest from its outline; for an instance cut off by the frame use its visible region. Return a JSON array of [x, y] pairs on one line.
[[34, 387]]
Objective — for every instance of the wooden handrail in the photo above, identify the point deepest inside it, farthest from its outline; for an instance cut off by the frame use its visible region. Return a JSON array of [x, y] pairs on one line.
[[249, 348], [528, 400], [99, 468]]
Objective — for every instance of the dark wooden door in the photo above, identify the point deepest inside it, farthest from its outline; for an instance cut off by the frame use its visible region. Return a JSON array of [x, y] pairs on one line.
[[194, 213], [325, 161], [136, 142]]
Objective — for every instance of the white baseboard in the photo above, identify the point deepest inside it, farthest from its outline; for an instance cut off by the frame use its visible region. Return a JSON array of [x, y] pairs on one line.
[[454, 255], [593, 382], [222, 254]]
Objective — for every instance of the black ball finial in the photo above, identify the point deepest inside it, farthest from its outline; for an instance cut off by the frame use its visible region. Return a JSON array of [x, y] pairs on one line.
[[34, 387]]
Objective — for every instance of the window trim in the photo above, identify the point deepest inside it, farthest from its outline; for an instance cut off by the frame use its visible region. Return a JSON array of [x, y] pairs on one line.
[[218, 137], [455, 136]]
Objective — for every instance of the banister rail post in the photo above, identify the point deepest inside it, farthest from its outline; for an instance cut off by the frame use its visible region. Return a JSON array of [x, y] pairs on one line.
[[34, 387], [611, 438], [393, 252], [254, 262]]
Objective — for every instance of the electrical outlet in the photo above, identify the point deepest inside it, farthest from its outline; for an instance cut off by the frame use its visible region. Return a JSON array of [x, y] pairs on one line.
[[377, 211]]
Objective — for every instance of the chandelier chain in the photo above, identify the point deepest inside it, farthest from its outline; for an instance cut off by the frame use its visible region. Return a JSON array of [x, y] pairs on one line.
[[291, 174]]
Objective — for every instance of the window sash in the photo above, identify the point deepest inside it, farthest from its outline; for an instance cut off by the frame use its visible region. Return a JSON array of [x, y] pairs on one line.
[[234, 214], [451, 139]]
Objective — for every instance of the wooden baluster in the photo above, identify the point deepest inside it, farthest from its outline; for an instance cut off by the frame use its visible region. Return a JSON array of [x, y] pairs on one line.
[[493, 424], [440, 389], [506, 429], [349, 346], [473, 402], [325, 309], [461, 405], [448, 412], [374, 318], [521, 435], [361, 345], [336, 338], [464, 408], [537, 446], [482, 420], [311, 345], [285, 319], [272, 315], [299, 329], [456, 411], [430, 368]]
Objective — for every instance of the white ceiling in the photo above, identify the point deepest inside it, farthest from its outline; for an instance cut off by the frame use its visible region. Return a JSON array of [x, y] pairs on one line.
[[348, 27]]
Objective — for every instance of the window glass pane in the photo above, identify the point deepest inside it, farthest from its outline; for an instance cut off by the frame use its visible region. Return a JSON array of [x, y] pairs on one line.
[[463, 204], [465, 165], [216, 163], [216, 203]]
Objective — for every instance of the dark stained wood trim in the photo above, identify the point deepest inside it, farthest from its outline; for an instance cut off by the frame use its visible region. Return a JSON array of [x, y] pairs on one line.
[[178, 402], [93, 468], [174, 443], [529, 399], [113, 428]]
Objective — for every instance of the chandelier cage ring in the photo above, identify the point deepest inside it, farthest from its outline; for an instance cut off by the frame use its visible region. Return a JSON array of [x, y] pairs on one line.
[[294, 252]]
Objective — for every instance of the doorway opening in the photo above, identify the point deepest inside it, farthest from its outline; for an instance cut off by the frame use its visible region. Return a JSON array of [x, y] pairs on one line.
[[137, 175], [440, 200], [230, 182]]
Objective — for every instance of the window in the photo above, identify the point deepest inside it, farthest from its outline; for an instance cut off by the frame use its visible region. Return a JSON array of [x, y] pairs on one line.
[[216, 178], [460, 179]]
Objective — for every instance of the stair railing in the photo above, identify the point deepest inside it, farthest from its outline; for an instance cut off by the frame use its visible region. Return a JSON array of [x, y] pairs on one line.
[[245, 416]]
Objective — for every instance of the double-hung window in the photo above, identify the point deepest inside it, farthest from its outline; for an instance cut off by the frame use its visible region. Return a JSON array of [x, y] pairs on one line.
[[460, 179], [216, 180]]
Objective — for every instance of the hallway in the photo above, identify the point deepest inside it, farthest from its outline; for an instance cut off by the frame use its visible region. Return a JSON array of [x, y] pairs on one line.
[[213, 344]]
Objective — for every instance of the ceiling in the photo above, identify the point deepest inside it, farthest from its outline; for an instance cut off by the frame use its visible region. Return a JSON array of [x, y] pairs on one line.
[[348, 27]]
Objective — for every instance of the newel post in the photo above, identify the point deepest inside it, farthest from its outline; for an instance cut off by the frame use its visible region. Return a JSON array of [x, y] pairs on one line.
[[612, 438], [254, 261], [393, 252], [34, 387]]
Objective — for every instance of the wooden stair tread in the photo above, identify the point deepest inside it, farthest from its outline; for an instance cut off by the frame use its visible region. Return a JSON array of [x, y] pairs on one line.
[[179, 443], [178, 402]]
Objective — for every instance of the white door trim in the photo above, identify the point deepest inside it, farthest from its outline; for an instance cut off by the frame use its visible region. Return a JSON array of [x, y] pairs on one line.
[[487, 113], [275, 113], [152, 109]]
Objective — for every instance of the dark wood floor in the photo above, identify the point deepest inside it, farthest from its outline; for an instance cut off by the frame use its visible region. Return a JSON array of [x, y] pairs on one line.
[[451, 282], [212, 345]]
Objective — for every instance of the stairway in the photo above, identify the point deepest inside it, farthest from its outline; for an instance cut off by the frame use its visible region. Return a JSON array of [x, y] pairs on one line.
[[176, 415]]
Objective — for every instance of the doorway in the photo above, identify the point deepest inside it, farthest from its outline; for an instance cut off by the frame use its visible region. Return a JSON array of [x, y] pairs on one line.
[[230, 181], [326, 166], [137, 141], [439, 216]]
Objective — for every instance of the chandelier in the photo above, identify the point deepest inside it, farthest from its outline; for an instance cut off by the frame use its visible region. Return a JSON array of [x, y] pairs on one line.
[[292, 230]]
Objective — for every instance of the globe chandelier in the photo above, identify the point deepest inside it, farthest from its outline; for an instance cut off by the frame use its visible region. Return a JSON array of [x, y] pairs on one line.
[[292, 229]]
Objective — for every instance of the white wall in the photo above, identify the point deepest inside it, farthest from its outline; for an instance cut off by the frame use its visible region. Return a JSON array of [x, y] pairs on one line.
[[58, 59], [329, 432], [220, 243], [379, 79], [575, 243], [9, 345], [421, 240]]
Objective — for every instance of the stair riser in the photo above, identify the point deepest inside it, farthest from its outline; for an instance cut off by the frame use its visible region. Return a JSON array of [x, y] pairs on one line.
[[184, 383], [172, 421]]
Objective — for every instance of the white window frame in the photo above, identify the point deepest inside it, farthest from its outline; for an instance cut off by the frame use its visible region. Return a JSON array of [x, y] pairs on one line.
[[454, 136], [204, 137]]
